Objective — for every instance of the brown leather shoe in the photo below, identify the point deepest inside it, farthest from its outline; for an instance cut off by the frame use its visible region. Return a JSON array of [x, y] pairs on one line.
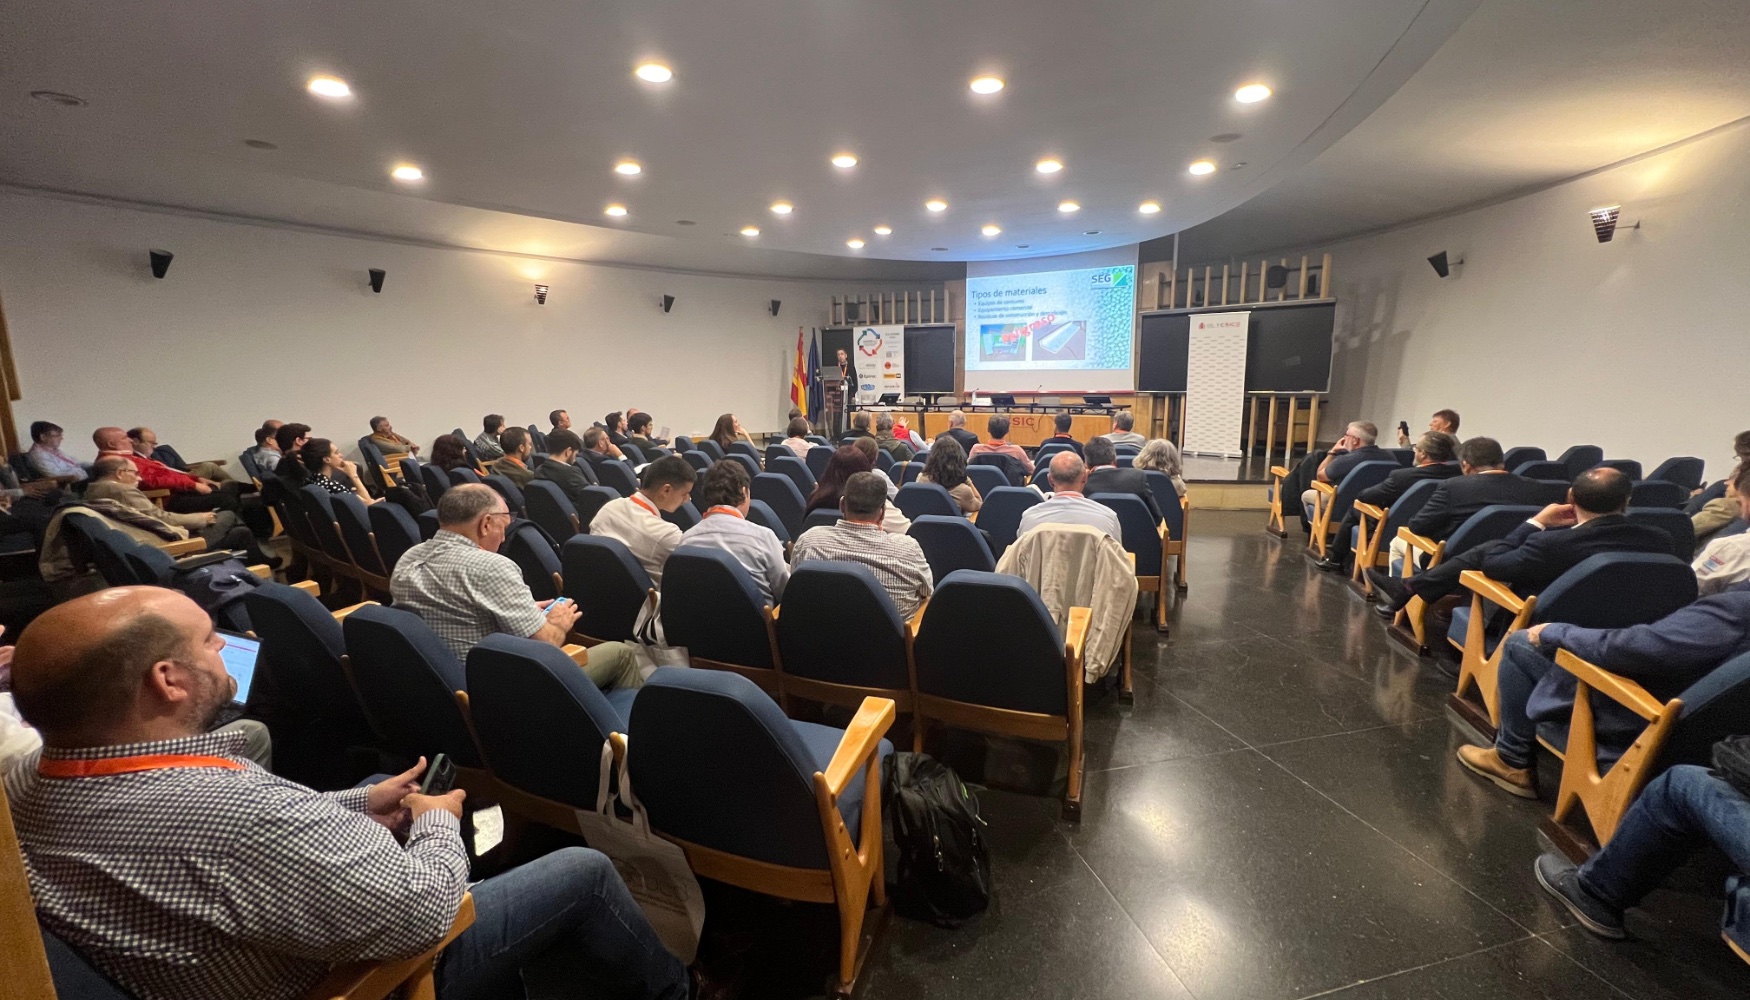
[[1520, 781]]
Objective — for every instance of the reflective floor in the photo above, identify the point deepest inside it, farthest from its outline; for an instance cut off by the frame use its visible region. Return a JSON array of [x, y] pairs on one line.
[[1279, 815]]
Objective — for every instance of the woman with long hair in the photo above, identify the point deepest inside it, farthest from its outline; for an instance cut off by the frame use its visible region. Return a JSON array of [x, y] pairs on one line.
[[728, 431], [1160, 455], [845, 463], [331, 469], [448, 452], [946, 467]]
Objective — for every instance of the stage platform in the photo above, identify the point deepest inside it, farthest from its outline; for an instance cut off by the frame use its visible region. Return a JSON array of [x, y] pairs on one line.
[[1231, 483]]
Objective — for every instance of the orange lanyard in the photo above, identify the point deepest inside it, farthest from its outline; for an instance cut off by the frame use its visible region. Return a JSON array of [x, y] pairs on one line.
[[638, 499], [56, 768], [723, 509]]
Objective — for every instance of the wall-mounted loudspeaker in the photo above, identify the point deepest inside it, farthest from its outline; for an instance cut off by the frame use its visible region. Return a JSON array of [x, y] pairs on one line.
[[1275, 277], [377, 276], [1440, 264], [161, 262], [667, 303], [775, 305]]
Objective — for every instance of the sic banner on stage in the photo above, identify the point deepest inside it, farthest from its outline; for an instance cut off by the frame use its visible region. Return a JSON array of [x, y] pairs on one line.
[[880, 362]]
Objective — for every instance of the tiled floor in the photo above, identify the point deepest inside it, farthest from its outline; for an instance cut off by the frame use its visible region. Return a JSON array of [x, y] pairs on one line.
[[1278, 815]]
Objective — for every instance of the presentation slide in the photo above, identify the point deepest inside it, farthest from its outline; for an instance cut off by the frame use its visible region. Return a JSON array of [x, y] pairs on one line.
[[1051, 331]]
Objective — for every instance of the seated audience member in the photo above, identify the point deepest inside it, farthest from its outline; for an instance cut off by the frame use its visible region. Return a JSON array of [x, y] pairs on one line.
[[598, 450], [115, 478], [901, 451], [1104, 475], [615, 424], [1065, 504], [1062, 422], [1442, 422], [946, 467], [216, 878], [266, 453], [514, 464], [291, 439], [868, 447], [1436, 457], [638, 433], [637, 522], [486, 444], [28, 508], [957, 430], [1555, 540], [332, 470], [46, 456], [1121, 432], [1664, 657], [560, 419], [1726, 561], [145, 444], [460, 586], [796, 437], [896, 560], [999, 443], [1680, 810], [188, 493], [859, 427], [1711, 513], [650, 425], [1483, 482], [728, 431], [387, 441], [846, 462], [558, 467], [1161, 455], [723, 495], [448, 453], [1354, 447]]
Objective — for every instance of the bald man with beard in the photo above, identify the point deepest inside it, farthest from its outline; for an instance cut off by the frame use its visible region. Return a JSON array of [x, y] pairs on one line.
[[179, 868]]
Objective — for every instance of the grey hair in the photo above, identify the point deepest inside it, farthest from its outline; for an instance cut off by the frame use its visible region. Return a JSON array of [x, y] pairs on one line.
[[462, 504], [1124, 420], [883, 421], [957, 418], [1160, 455]]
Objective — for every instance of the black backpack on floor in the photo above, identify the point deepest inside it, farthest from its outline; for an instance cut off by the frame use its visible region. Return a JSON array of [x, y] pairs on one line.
[[944, 866]]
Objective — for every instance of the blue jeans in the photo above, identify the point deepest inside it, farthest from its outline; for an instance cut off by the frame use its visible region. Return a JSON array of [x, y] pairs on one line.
[[1680, 810], [1522, 666], [570, 902]]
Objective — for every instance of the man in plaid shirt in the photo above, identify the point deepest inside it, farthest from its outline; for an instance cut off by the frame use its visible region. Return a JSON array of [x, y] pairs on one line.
[[182, 870]]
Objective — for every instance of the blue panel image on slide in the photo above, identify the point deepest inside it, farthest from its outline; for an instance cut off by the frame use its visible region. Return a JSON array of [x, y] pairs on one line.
[[1062, 342]]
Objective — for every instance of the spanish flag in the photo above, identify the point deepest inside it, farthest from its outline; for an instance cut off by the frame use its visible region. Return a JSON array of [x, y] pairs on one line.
[[799, 375]]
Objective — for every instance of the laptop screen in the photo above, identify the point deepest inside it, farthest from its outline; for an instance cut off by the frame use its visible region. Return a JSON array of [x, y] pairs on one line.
[[240, 653]]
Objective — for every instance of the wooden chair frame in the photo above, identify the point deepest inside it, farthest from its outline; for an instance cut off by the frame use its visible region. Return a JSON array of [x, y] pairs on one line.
[[1412, 619], [771, 679], [1370, 518], [1324, 506], [1276, 524], [1475, 666], [1606, 798], [1026, 725], [852, 695]]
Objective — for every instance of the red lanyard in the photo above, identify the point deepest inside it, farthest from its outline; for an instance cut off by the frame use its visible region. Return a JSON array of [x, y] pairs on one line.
[[647, 505], [722, 509], [57, 768]]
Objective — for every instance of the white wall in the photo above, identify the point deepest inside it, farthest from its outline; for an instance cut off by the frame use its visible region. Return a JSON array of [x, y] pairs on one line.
[[1545, 337], [255, 322]]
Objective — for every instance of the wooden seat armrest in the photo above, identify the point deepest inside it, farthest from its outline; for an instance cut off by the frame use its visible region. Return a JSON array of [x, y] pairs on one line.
[[579, 654], [1325, 488], [262, 571], [310, 587], [862, 738], [1370, 510], [341, 615], [1075, 636], [1420, 543], [1492, 590], [155, 494], [1279, 472], [917, 618], [375, 980], [1617, 688], [188, 546]]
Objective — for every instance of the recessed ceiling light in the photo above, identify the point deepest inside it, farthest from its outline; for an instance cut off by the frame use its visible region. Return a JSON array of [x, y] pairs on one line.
[[1048, 166], [1090, 232], [1149, 207], [854, 243], [615, 210], [844, 161], [1251, 93], [992, 230], [883, 230], [1225, 137], [628, 167], [782, 208], [56, 97], [1202, 167], [685, 222], [1022, 246], [407, 172], [936, 205], [986, 84], [260, 144], [1067, 207], [654, 72], [329, 86], [750, 230]]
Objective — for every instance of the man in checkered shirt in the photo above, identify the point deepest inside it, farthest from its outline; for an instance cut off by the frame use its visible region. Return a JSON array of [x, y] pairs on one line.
[[182, 870], [896, 560]]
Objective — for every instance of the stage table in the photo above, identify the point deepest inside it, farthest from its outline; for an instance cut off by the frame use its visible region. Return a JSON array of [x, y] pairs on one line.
[[1026, 429]]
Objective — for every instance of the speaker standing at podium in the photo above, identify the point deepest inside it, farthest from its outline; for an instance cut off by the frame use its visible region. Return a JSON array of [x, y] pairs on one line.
[[848, 372]]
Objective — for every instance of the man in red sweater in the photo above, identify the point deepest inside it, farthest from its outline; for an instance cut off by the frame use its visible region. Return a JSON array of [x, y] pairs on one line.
[[188, 494]]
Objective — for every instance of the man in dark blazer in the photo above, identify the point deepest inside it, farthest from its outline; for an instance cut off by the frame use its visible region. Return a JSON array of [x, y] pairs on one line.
[[560, 469], [1558, 538], [957, 430], [1436, 458], [1485, 482], [1104, 476], [597, 450]]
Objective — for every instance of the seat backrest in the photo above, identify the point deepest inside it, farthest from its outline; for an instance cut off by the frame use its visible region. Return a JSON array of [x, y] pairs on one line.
[[512, 494], [1579, 458], [467, 445], [682, 444], [1627, 466], [150, 564], [743, 448], [1714, 708], [634, 454], [839, 625], [1139, 528], [777, 451], [409, 469], [396, 531], [301, 647], [986, 478], [407, 679], [711, 605], [751, 465], [1685, 471], [319, 508], [98, 542], [1657, 493], [608, 584], [1618, 589], [815, 518], [1364, 476], [789, 465], [290, 505], [987, 639], [582, 465], [761, 513], [460, 475], [1408, 505], [780, 494], [437, 481], [537, 438], [593, 499], [1001, 514], [697, 459], [1013, 469], [1515, 457], [355, 528], [428, 525], [618, 477], [950, 542], [1487, 525], [884, 461], [818, 456], [373, 462], [908, 472], [1042, 477], [1042, 456], [717, 764], [1545, 469], [712, 449], [1167, 499], [246, 459], [1672, 522], [540, 720], [1405, 457], [684, 516], [535, 555], [549, 507]]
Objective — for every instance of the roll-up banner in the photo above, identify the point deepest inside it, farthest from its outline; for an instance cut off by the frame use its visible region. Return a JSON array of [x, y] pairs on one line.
[[1215, 384], [880, 362]]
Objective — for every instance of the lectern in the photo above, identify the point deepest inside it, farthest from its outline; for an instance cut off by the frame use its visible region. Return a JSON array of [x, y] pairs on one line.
[[832, 401]]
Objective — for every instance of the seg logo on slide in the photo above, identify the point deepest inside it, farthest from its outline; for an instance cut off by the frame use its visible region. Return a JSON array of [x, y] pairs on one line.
[[1118, 277]]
